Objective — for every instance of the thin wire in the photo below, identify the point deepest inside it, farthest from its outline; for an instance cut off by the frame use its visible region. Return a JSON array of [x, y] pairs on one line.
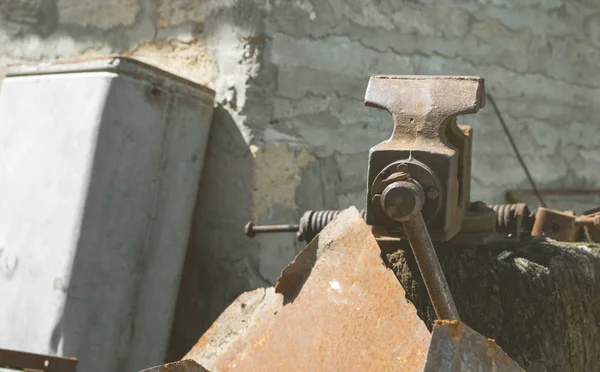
[[517, 153]]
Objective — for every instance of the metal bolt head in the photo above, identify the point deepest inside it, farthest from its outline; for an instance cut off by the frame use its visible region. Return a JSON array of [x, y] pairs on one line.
[[249, 229], [433, 193], [402, 200]]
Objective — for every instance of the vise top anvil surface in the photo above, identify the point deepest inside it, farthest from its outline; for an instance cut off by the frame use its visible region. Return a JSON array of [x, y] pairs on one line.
[[427, 143]]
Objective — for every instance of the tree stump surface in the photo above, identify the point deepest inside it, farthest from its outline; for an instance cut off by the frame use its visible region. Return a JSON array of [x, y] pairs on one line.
[[539, 299]]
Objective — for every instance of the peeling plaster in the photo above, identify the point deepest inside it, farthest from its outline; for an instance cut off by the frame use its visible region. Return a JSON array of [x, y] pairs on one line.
[[186, 59]]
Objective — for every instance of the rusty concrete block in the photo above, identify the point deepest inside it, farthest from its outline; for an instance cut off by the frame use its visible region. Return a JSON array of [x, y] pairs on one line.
[[335, 307]]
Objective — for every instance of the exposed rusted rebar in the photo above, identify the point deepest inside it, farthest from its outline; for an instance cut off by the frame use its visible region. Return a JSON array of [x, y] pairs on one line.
[[430, 268]]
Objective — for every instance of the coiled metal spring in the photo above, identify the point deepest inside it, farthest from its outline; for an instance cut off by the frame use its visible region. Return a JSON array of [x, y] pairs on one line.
[[512, 219], [312, 222]]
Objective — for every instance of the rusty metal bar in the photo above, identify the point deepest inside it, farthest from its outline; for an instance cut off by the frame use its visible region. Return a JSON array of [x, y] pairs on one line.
[[430, 268], [24, 361], [251, 230], [312, 222], [588, 220]]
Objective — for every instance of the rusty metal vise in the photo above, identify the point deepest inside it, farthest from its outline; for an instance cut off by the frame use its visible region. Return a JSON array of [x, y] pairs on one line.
[[426, 143], [418, 181]]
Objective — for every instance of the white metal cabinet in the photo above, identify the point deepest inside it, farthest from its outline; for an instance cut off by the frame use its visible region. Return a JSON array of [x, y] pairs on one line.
[[100, 162]]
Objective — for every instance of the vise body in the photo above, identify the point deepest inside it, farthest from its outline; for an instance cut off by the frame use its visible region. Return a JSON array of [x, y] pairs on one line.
[[428, 144]]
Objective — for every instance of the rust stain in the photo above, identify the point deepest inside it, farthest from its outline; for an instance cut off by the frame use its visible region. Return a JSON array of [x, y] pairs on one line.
[[155, 94], [455, 327], [492, 344]]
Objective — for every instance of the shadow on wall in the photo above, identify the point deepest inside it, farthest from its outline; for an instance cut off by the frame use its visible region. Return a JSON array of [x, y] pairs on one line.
[[21, 17], [217, 246]]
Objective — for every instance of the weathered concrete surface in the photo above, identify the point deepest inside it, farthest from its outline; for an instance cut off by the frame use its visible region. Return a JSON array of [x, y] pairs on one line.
[[538, 299], [335, 307], [290, 78]]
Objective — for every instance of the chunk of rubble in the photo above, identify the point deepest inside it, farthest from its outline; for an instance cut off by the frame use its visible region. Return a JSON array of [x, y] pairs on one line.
[[335, 307]]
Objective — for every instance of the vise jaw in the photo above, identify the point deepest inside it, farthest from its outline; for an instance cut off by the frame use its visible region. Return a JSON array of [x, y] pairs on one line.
[[426, 143]]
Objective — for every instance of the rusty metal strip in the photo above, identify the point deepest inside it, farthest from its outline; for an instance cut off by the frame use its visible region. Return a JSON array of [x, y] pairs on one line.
[[592, 231], [555, 225], [187, 365], [457, 348], [430, 268], [21, 360]]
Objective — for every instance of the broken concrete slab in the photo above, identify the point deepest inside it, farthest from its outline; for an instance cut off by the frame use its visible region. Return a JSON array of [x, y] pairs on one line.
[[340, 308]]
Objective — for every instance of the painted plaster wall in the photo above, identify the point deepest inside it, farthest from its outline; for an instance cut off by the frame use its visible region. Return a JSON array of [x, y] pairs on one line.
[[291, 132]]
